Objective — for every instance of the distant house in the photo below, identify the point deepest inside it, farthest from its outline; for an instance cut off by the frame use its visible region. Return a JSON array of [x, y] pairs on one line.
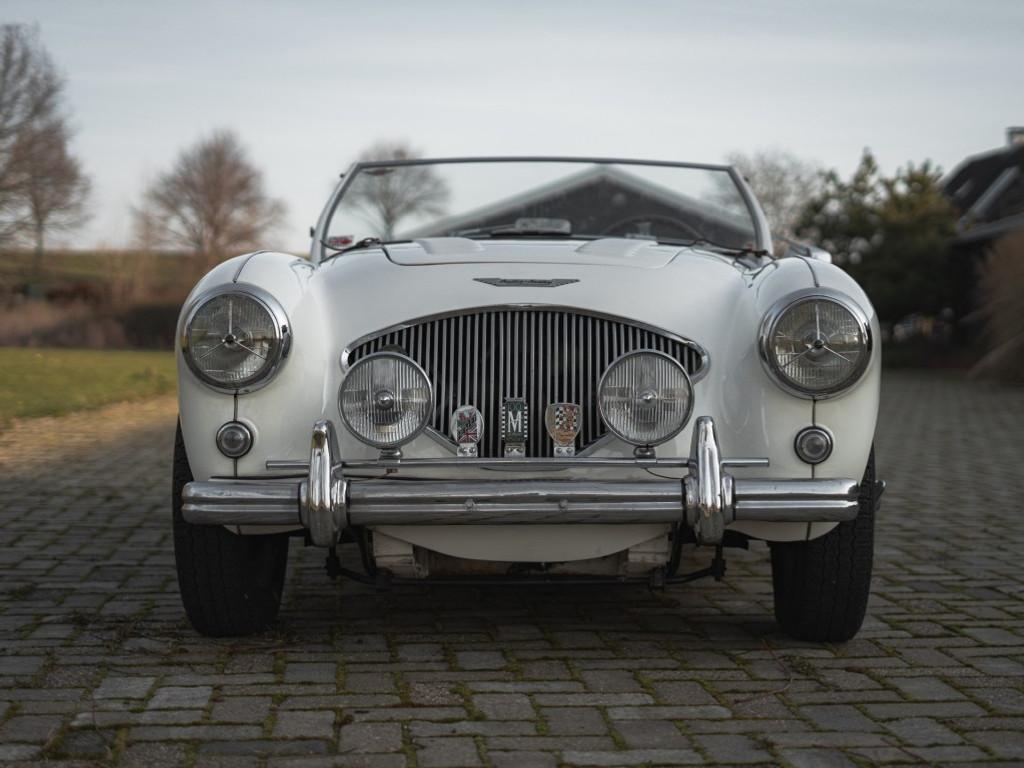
[[988, 192], [607, 200]]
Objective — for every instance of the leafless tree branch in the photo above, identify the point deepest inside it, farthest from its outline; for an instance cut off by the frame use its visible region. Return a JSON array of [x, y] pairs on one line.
[[211, 202], [387, 196]]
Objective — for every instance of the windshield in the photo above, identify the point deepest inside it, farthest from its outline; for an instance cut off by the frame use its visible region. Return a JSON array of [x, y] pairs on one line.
[[537, 198]]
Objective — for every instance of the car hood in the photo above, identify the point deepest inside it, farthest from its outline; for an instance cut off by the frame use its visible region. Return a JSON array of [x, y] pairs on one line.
[[684, 290], [608, 251]]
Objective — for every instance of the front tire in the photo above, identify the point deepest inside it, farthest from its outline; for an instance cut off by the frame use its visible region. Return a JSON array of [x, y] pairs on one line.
[[822, 586], [230, 584]]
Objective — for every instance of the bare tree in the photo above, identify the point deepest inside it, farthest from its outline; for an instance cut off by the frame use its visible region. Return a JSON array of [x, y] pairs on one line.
[[388, 195], [30, 95], [212, 202], [783, 183], [56, 188]]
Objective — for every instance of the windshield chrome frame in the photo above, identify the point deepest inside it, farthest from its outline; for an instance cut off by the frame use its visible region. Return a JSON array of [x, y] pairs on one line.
[[319, 251]]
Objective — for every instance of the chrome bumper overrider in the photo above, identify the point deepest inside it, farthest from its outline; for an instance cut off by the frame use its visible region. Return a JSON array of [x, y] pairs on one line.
[[708, 499]]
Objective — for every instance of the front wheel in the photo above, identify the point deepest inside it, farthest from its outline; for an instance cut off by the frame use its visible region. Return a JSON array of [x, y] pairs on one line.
[[821, 586], [230, 584]]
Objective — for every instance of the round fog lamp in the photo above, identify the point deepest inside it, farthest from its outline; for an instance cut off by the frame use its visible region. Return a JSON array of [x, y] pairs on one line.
[[813, 445], [386, 400], [645, 397], [234, 440]]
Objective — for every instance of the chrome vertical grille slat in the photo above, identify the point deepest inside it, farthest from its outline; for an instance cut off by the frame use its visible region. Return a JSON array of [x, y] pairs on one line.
[[543, 355]]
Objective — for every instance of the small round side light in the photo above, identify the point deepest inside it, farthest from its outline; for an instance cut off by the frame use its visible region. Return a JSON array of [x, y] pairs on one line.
[[234, 439], [813, 444]]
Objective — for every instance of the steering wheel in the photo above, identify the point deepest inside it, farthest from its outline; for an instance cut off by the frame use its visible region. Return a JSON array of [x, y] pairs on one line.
[[623, 225]]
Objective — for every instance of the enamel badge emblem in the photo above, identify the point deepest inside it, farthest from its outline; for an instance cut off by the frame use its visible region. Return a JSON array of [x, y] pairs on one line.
[[562, 421], [515, 425], [467, 428]]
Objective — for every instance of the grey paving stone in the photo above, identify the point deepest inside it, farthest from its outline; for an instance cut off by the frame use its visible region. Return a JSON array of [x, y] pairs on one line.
[[633, 757], [472, 728], [931, 709], [241, 709], [733, 748], [453, 752], [817, 758], [574, 721], [592, 699], [685, 692], [668, 713], [480, 660], [504, 706], [165, 755], [926, 689], [838, 717], [936, 755], [173, 697], [246, 750], [304, 725], [12, 752], [433, 694], [643, 734], [922, 732], [195, 733], [1006, 745], [310, 672], [610, 681], [523, 759], [30, 728], [124, 688], [370, 737], [88, 744]]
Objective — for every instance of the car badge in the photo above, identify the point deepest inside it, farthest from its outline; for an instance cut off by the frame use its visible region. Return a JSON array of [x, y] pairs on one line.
[[562, 421], [467, 428], [523, 282], [515, 425]]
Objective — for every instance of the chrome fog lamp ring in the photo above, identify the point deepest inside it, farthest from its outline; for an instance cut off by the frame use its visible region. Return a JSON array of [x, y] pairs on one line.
[[234, 439], [813, 445], [826, 354], [234, 333], [386, 400], [663, 388]]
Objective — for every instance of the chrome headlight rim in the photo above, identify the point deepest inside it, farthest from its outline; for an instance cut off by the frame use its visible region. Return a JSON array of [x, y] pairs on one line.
[[600, 400], [788, 302], [381, 445], [282, 334]]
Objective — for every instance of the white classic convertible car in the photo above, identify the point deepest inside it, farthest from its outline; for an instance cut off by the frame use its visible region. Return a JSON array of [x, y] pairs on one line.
[[528, 369]]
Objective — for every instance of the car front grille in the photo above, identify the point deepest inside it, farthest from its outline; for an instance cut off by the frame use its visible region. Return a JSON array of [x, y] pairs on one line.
[[543, 355]]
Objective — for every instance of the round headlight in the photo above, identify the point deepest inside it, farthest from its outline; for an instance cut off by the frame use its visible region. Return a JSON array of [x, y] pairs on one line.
[[645, 397], [816, 345], [386, 400], [234, 340]]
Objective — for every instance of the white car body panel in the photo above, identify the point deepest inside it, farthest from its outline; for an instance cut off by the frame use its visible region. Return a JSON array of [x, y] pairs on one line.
[[711, 299]]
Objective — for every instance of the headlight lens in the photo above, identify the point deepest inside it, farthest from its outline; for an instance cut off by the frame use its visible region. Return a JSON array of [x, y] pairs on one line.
[[235, 340], [645, 397], [386, 400], [816, 345]]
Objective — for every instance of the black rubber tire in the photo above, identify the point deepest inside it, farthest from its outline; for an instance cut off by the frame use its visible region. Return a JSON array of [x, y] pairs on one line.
[[822, 586], [230, 585]]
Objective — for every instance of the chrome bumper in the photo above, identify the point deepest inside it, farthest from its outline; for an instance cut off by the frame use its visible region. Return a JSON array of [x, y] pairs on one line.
[[708, 499]]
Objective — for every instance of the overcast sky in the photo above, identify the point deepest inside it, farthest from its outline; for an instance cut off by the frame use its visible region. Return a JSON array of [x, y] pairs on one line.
[[308, 84]]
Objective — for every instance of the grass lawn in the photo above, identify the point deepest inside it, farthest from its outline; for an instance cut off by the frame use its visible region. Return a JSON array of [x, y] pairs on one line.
[[45, 382]]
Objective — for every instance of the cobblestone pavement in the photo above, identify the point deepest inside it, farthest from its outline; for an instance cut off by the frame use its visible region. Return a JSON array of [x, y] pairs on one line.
[[98, 666]]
